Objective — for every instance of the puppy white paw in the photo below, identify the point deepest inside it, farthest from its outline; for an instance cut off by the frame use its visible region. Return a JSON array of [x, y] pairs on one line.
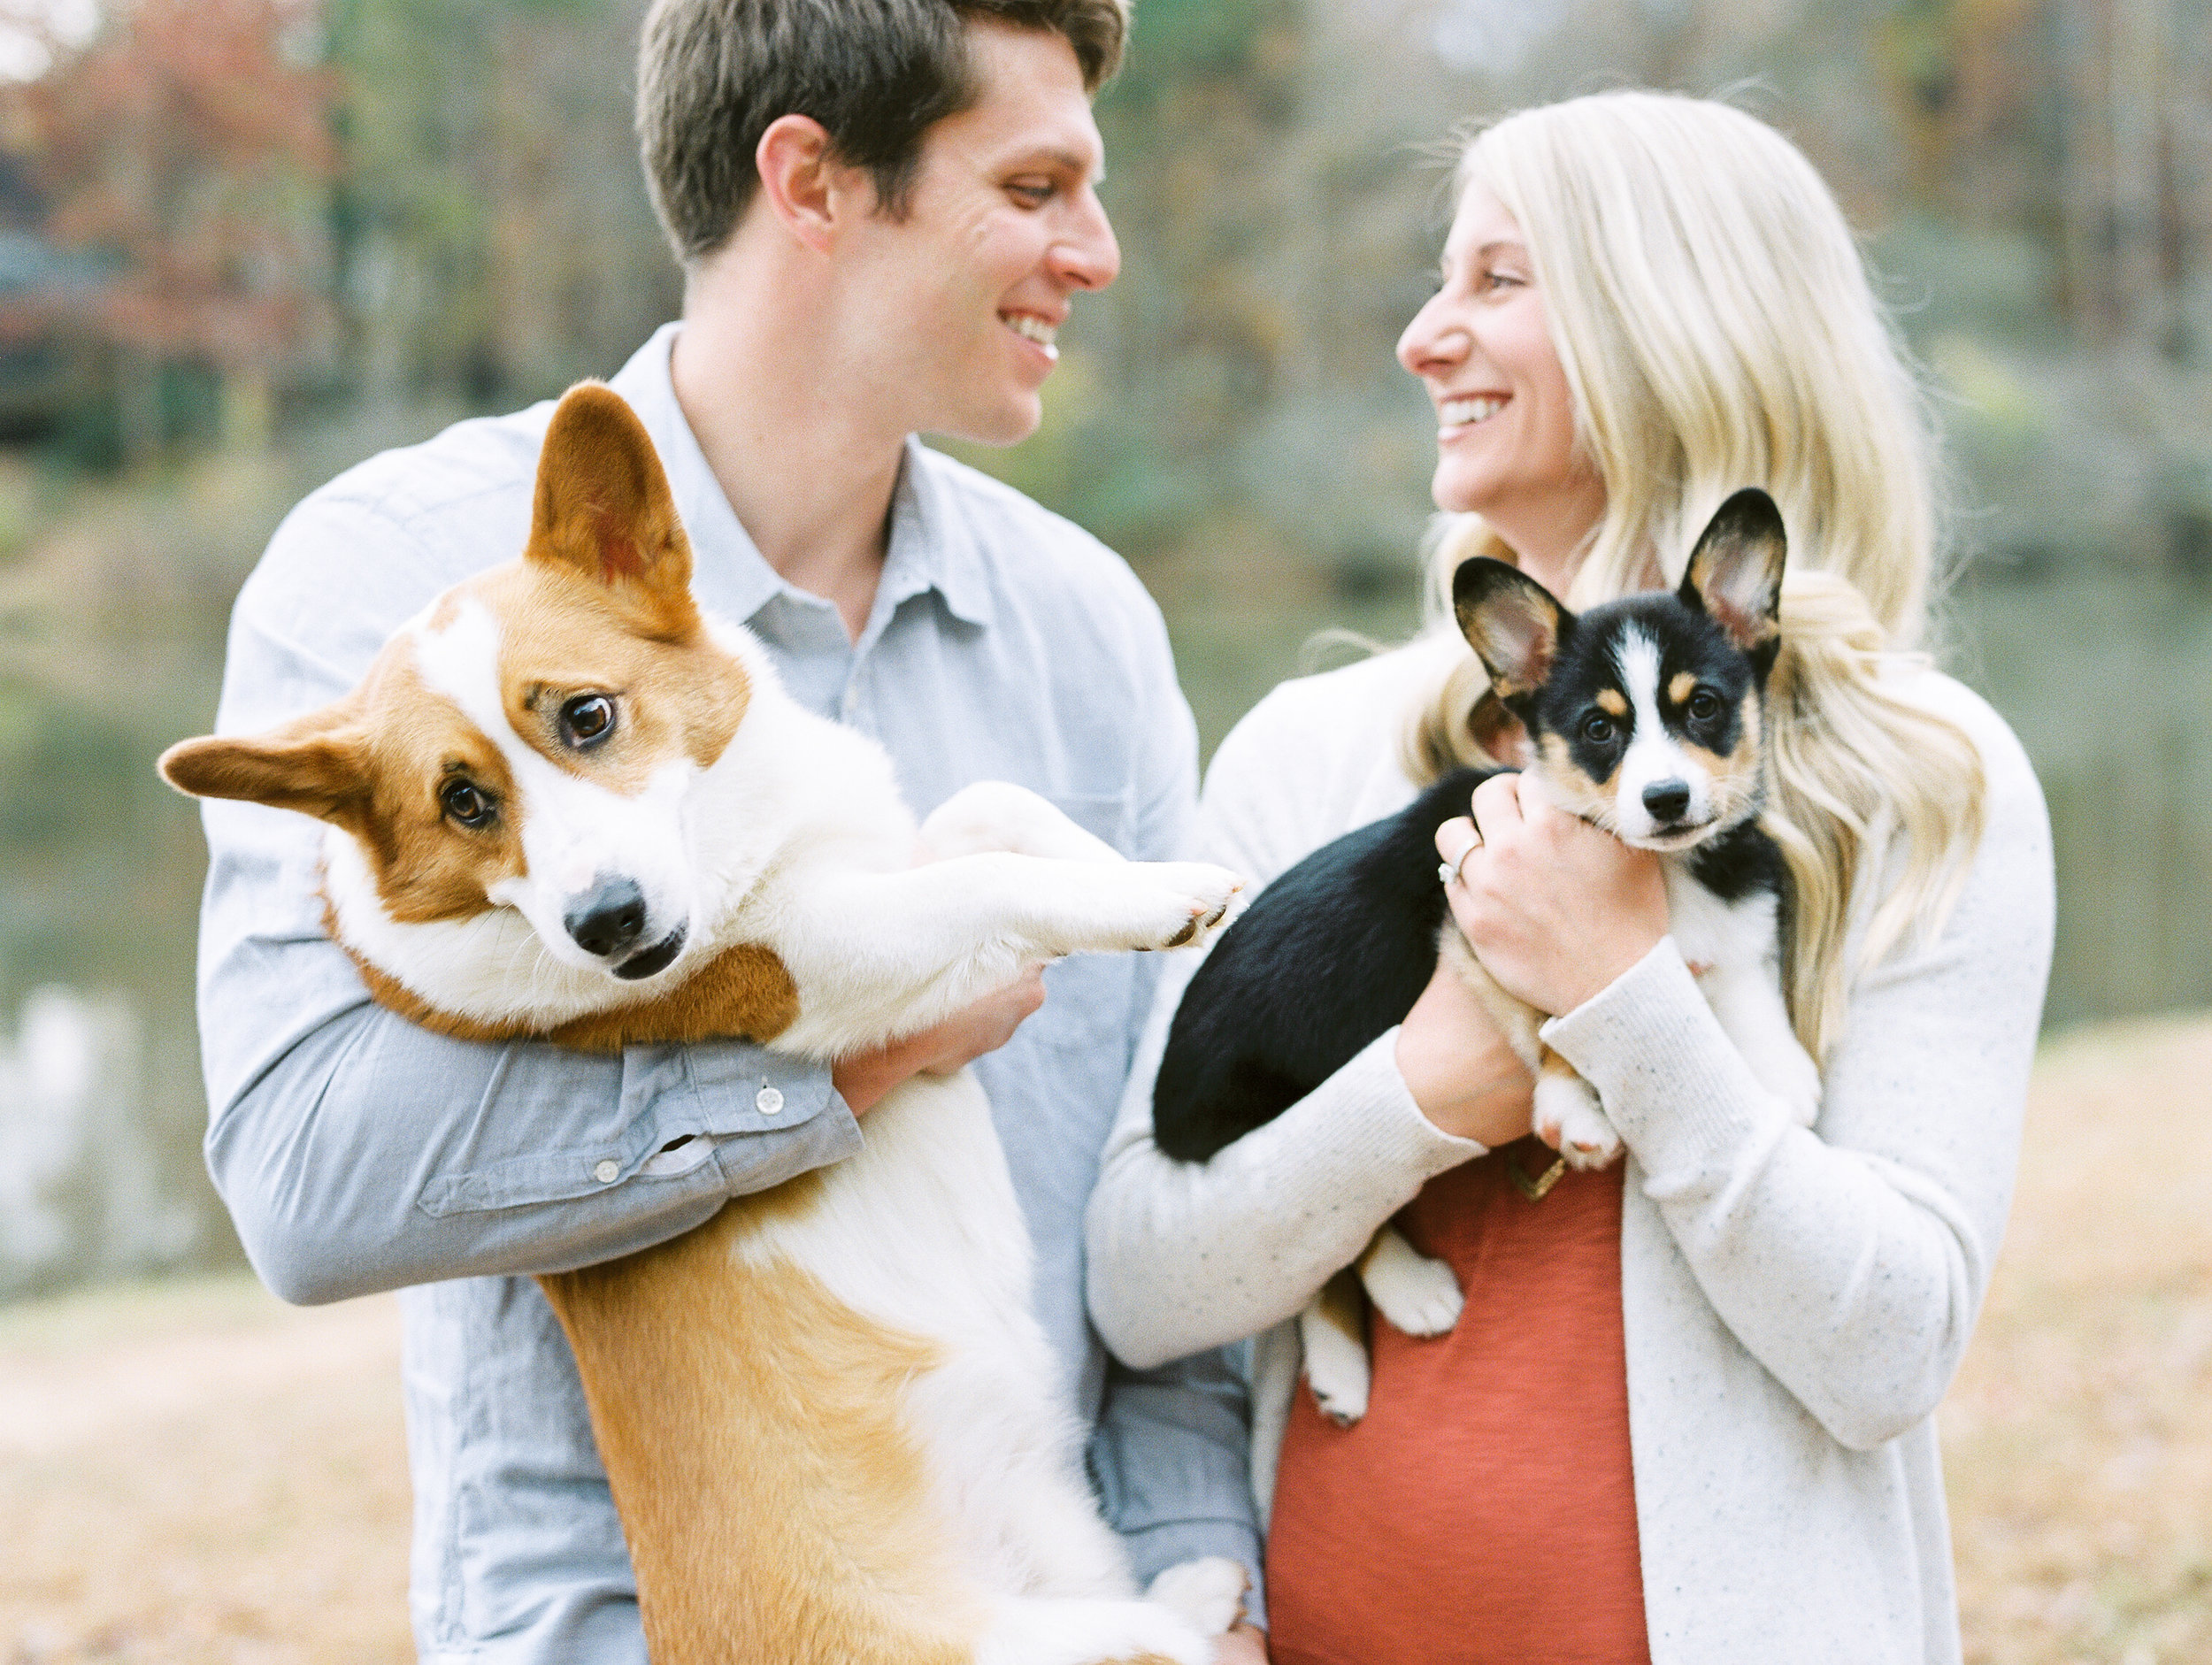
[[1417, 1294], [1208, 1594], [1341, 1394], [1569, 1115], [1180, 904], [1791, 1075]]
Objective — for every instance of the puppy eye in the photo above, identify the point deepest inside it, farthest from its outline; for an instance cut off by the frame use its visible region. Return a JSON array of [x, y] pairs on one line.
[[1597, 728], [587, 719], [465, 803], [1704, 705]]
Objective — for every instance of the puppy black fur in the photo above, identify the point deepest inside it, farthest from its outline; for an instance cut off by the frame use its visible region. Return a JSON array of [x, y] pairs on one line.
[[1332, 954]]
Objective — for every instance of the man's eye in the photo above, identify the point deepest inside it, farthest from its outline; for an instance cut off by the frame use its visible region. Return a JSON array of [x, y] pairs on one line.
[[586, 720], [1704, 705], [463, 802], [1598, 728], [1030, 193]]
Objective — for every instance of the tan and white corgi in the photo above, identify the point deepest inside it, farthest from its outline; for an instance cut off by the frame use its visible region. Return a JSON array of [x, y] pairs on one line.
[[565, 803]]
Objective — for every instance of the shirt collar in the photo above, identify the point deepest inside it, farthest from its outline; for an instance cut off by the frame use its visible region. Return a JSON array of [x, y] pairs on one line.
[[932, 545]]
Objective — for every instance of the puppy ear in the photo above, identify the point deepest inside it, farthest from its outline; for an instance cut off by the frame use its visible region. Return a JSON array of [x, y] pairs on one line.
[[1510, 621], [604, 511], [315, 765], [1735, 572]]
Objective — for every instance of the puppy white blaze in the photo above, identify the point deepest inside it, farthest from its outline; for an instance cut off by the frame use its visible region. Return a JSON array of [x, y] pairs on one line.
[[1654, 753], [575, 833]]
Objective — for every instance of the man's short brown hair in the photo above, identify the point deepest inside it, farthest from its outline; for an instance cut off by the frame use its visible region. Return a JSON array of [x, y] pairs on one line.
[[712, 74]]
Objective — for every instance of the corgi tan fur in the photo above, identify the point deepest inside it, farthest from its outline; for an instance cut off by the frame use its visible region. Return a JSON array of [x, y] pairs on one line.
[[564, 803]]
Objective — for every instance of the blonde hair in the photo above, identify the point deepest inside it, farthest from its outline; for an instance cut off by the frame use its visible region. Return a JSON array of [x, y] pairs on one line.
[[1717, 329]]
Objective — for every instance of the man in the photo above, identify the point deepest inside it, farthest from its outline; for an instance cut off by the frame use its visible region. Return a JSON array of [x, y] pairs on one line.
[[884, 208]]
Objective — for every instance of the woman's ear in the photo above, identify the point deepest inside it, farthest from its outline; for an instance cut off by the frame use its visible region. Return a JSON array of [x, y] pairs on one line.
[[1512, 622]]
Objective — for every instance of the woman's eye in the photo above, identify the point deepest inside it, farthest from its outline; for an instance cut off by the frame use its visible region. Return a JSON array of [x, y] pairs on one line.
[[466, 804], [587, 719], [1597, 729], [1704, 705]]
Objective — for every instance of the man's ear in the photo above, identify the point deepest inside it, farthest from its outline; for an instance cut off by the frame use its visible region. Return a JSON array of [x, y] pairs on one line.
[[1511, 622], [800, 178], [603, 512], [1735, 572], [316, 764]]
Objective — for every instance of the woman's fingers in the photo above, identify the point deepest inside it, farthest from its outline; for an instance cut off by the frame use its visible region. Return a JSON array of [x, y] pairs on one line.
[[1455, 840], [1497, 806]]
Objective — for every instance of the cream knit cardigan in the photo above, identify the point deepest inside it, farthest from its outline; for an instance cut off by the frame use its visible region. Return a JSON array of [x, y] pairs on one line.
[[1794, 1301]]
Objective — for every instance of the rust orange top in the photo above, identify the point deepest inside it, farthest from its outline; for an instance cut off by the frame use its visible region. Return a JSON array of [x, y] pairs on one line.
[[1484, 1510]]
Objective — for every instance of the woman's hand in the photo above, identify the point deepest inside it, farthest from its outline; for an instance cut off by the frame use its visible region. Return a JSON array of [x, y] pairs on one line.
[[1554, 907], [1462, 1074], [863, 1078]]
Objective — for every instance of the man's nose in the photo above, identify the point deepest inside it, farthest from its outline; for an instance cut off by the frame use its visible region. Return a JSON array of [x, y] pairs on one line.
[[1086, 256]]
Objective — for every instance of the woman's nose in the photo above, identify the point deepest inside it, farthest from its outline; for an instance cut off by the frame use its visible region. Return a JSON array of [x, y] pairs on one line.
[[1434, 340]]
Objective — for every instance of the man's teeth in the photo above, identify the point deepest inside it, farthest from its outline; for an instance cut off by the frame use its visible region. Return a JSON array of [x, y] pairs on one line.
[[1035, 329], [1457, 412]]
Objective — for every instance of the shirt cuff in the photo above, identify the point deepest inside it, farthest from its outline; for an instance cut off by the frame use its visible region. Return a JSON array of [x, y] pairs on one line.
[[1372, 1127]]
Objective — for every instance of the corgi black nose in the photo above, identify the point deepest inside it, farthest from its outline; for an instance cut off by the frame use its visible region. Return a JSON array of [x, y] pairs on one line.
[[607, 918], [1667, 800]]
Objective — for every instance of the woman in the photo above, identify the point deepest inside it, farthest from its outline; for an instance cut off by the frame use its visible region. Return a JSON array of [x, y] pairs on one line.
[[1685, 1414]]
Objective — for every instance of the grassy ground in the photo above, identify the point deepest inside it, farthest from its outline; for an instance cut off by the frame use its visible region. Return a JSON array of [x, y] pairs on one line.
[[192, 1473]]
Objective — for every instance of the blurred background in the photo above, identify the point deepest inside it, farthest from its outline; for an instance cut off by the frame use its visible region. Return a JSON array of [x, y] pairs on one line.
[[246, 243]]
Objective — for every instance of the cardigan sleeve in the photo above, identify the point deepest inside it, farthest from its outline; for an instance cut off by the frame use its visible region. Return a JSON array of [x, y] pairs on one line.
[[1188, 1255], [1850, 1259]]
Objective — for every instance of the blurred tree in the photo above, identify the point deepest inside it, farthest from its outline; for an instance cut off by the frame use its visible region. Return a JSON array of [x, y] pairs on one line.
[[186, 143], [494, 240]]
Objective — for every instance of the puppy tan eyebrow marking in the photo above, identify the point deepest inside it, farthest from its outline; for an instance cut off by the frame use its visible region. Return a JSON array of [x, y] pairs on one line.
[[1612, 700], [1684, 685]]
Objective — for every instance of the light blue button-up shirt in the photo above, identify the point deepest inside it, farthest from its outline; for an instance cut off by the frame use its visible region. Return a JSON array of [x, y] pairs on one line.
[[358, 1153]]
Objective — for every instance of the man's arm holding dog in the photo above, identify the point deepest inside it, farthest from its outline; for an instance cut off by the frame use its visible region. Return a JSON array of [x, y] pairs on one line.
[[357, 1152]]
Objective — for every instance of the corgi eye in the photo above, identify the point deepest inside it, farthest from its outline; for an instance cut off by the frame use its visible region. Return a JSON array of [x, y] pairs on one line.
[[1598, 729], [587, 719], [1704, 705], [467, 805]]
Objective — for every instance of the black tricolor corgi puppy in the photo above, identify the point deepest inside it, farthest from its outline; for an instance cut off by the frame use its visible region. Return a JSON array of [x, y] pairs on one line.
[[1644, 717], [564, 802]]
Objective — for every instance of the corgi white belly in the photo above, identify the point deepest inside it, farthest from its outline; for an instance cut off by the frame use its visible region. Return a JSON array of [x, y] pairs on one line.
[[1735, 950], [921, 1233]]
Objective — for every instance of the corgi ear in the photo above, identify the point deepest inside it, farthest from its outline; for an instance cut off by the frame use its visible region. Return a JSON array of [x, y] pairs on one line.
[[316, 765], [1735, 572], [604, 512], [1510, 621]]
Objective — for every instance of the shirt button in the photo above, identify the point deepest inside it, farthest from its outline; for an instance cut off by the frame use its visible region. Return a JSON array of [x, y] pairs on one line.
[[607, 1170], [768, 1101]]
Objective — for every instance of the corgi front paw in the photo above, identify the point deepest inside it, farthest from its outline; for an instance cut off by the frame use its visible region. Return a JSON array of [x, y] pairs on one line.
[[1419, 1295], [1153, 905], [1569, 1118], [1207, 1594]]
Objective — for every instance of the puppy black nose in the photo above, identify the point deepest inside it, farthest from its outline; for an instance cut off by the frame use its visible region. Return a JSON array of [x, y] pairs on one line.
[[607, 918], [1667, 800]]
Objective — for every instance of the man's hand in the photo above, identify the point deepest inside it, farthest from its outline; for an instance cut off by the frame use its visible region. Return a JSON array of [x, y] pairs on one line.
[[863, 1079], [1246, 1645]]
